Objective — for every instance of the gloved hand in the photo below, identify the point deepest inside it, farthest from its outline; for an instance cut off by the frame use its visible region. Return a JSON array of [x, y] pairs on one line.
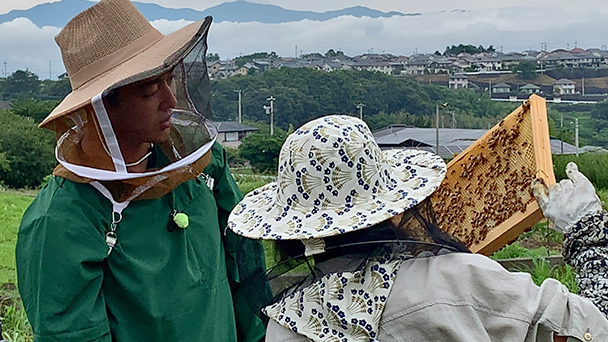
[[568, 201]]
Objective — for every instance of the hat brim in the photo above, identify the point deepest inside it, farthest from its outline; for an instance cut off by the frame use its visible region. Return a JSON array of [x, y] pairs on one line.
[[258, 216], [155, 60]]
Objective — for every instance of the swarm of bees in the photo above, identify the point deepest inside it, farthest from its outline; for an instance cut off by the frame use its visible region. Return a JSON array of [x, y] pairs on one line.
[[490, 181]]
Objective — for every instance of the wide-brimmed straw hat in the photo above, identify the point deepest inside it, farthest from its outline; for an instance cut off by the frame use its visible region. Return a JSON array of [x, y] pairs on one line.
[[112, 44], [333, 179]]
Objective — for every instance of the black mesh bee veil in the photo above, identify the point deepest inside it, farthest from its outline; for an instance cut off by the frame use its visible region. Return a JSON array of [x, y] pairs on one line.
[[413, 234]]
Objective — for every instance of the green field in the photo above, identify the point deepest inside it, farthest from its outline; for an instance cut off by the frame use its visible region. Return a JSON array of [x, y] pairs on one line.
[[12, 207], [14, 322]]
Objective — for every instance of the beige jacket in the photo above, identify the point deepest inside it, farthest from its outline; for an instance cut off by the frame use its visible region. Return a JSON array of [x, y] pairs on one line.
[[468, 297]]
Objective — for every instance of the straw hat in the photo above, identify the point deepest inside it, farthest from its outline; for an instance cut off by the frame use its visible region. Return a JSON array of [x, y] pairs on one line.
[[112, 44], [333, 179]]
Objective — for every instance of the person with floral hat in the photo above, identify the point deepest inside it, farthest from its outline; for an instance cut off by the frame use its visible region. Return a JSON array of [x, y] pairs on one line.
[[362, 259], [127, 242]]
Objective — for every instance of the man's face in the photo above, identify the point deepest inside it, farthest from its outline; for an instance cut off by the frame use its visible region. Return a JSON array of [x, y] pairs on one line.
[[143, 112]]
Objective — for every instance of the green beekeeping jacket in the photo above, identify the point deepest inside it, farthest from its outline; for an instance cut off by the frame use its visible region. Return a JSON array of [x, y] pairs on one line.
[[160, 283]]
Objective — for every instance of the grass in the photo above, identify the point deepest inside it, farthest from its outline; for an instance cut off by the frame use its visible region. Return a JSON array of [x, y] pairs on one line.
[[250, 182], [12, 207], [15, 325]]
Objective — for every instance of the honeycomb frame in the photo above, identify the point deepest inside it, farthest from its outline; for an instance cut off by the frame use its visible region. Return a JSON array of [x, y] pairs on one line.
[[486, 198]]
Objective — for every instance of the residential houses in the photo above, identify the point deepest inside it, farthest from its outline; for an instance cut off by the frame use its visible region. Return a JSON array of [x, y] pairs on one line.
[[231, 133], [564, 86], [421, 64], [501, 88], [530, 89], [458, 81]]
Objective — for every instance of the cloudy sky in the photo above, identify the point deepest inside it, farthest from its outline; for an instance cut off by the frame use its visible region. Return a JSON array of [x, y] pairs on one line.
[[514, 25]]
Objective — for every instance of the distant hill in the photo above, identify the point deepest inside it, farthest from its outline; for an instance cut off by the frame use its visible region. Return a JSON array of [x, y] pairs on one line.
[[59, 13]]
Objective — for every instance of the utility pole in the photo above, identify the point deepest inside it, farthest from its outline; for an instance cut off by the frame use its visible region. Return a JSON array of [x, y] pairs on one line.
[[239, 92], [360, 107], [576, 135], [5, 74], [561, 133], [270, 110], [490, 89], [437, 127], [437, 130], [50, 73], [453, 123]]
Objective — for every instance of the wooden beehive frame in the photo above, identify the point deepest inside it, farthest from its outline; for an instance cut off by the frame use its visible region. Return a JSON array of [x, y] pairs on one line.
[[486, 199]]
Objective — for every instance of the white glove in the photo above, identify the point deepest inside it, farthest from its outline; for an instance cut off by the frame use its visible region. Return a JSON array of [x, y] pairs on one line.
[[568, 201]]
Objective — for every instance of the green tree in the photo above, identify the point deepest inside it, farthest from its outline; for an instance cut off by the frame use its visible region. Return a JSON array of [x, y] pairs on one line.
[[304, 94], [455, 50], [30, 107], [28, 150], [212, 57], [526, 70], [21, 82], [600, 112], [4, 164], [331, 53], [240, 61], [262, 150], [55, 90]]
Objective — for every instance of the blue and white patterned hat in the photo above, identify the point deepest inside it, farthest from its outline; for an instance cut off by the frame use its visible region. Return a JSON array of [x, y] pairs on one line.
[[333, 179]]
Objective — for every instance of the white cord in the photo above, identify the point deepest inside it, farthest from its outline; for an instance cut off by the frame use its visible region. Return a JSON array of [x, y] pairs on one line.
[[142, 158]]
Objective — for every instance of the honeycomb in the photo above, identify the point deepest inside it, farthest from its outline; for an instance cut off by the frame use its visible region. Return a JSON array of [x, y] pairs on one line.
[[486, 198]]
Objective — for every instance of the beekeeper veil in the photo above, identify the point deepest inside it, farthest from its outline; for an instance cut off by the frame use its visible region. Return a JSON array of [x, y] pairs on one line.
[[112, 45]]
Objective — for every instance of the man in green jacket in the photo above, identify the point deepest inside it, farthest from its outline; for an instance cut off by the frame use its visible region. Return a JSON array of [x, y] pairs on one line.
[[127, 242]]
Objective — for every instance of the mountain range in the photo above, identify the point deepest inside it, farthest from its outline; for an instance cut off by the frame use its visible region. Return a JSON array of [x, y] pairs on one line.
[[57, 14]]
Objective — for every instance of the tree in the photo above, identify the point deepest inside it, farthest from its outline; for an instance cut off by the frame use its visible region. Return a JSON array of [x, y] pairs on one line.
[[240, 61], [28, 150], [262, 150], [311, 55], [331, 53], [600, 114], [56, 90], [22, 82], [4, 164], [212, 57], [526, 70], [30, 107], [304, 94]]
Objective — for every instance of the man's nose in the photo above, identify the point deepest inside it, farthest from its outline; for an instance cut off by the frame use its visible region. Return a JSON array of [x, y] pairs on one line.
[[169, 100]]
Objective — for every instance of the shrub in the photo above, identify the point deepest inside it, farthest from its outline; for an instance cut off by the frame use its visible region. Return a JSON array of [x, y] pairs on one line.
[[592, 165], [28, 150], [262, 150]]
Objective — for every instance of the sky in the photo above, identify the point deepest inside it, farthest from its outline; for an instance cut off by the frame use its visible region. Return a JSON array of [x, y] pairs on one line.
[[513, 25]]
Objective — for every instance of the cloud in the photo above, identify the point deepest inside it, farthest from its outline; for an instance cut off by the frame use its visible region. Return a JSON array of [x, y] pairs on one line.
[[26, 46], [515, 29], [168, 26]]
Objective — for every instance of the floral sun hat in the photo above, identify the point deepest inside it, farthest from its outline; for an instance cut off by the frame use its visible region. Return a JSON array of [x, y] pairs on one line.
[[333, 179]]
